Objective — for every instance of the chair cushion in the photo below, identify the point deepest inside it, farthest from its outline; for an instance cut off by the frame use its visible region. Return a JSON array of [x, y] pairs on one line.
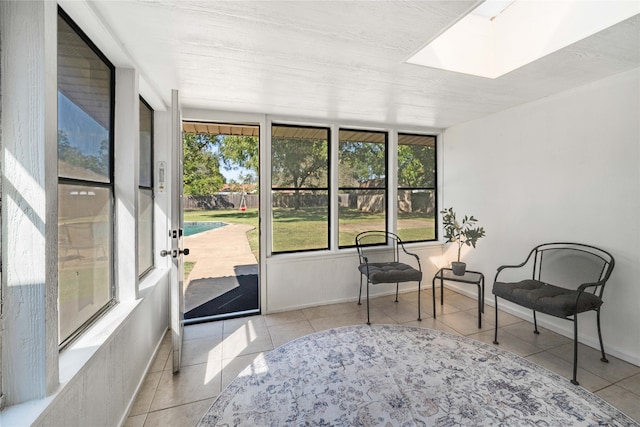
[[390, 272], [546, 298]]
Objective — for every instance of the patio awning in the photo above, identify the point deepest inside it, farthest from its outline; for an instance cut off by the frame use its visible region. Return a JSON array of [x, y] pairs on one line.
[[301, 132], [220, 128]]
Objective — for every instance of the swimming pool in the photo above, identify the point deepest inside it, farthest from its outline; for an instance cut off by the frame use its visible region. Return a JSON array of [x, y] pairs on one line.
[[191, 228]]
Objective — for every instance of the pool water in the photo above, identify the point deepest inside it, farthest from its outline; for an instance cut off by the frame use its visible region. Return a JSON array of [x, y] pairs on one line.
[[191, 228]]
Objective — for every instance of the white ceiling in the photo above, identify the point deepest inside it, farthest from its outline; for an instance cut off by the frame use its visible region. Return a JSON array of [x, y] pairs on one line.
[[335, 60]]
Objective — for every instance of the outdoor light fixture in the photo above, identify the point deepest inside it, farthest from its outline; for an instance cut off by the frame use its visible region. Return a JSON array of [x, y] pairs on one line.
[[500, 36]]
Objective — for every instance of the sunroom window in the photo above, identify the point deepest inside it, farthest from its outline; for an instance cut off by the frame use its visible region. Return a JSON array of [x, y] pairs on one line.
[[300, 188], [362, 169], [85, 180], [145, 191], [416, 187]]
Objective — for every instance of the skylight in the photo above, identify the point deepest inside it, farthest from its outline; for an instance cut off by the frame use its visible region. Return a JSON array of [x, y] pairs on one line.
[[500, 36]]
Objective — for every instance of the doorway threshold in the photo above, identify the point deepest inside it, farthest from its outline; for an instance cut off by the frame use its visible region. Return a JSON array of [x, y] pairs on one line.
[[221, 316]]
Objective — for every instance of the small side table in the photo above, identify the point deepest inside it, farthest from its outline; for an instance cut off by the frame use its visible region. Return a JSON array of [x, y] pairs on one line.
[[472, 277]]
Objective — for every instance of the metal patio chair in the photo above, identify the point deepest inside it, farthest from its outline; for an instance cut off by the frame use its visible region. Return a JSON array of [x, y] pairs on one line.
[[565, 279], [379, 262]]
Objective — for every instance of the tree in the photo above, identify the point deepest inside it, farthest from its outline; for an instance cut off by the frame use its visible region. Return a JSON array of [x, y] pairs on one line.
[[361, 162], [71, 156], [298, 163], [201, 166], [415, 166], [239, 152]]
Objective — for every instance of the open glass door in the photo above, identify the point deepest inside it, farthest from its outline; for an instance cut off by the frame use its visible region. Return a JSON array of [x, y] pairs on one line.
[[177, 252], [221, 201]]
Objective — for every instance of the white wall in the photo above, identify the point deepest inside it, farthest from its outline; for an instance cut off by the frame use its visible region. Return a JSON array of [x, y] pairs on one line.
[[564, 168], [94, 380], [101, 372], [303, 280], [29, 220], [102, 391]]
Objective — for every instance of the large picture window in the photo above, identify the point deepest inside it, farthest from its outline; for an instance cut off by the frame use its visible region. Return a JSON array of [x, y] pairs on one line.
[[145, 191], [300, 188], [362, 169], [416, 187], [85, 180]]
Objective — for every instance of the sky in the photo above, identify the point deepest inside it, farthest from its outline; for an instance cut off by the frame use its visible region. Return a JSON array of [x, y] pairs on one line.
[[231, 173], [82, 130]]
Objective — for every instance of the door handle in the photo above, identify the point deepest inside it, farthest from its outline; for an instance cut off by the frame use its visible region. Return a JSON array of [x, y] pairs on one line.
[[174, 253]]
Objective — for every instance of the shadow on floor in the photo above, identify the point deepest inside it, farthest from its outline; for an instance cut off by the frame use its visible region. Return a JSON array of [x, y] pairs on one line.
[[232, 294]]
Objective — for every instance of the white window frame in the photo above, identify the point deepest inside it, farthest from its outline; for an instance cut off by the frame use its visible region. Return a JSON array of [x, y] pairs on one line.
[[152, 188], [110, 185]]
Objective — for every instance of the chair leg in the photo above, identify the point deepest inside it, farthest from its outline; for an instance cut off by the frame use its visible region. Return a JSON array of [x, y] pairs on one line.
[[433, 296], [419, 312], [368, 321], [604, 357], [397, 286], [360, 293], [495, 335], [535, 324], [575, 349], [480, 310]]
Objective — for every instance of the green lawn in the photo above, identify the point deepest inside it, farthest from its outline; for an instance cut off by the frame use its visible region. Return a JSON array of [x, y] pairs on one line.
[[188, 266], [300, 229], [307, 228]]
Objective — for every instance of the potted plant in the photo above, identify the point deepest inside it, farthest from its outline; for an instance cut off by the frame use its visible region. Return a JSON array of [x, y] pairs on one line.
[[462, 233]]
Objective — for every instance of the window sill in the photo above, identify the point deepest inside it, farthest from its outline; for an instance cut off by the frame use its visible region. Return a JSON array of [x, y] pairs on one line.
[[344, 252], [429, 244], [73, 358], [150, 280]]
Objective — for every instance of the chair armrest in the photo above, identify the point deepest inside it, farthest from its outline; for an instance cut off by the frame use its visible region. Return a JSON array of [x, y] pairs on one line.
[[504, 267], [581, 289], [584, 286], [410, 254], [417, 259]]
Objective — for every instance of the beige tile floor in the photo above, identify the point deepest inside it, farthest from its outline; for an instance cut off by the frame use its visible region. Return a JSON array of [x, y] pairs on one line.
[[214, 353]]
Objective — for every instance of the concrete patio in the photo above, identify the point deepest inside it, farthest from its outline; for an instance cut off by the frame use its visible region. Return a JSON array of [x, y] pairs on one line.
[[220, 255]]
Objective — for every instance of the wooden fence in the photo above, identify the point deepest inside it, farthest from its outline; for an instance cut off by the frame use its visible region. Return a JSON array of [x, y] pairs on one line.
[[220, 201], [367, 201]]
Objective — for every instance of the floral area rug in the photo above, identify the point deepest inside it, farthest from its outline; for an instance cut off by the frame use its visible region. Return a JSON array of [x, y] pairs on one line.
[[390, 375]]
